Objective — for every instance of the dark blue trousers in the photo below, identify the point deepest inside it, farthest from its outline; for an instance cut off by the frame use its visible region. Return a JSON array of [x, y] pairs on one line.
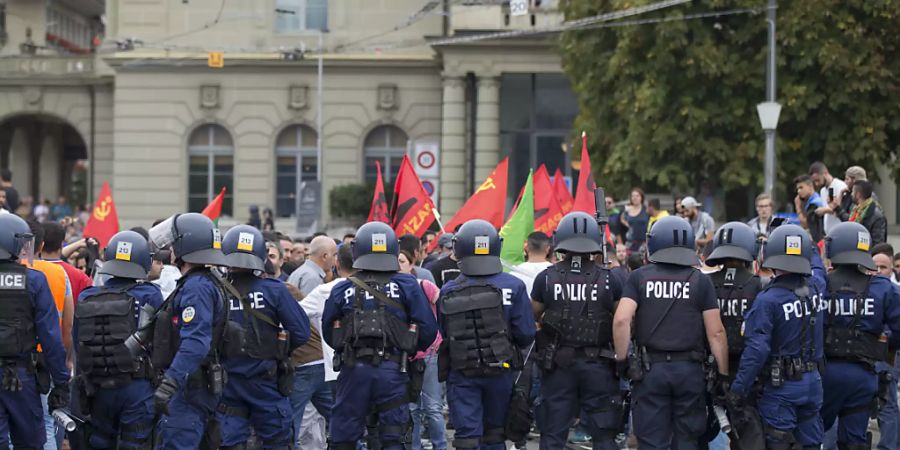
[[189, 413], [22, 416], [254, 402], [124, 415], [794, 408], [849, 390], [478, 409], [362, 388], [669, 406], [588, 385]]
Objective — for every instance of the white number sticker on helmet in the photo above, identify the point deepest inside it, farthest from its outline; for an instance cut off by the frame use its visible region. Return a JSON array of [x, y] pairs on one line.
[[379, 242], [123, 251], [863, 241], [245, 242], [792, 245], [482, 245]]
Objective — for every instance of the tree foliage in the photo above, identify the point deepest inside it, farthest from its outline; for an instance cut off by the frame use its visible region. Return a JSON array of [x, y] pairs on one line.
[[672, 103]]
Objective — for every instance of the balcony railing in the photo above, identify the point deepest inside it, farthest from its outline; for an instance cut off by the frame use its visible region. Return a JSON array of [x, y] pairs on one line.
[[495, 16]]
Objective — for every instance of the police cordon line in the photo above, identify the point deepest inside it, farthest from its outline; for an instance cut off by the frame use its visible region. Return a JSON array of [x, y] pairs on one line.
[[770, 361]]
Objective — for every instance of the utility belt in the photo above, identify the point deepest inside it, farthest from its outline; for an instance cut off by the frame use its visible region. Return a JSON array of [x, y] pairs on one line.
[[373, 356], [643, 359], [210, 376], [660, 357], [552, 356], [789, 368]]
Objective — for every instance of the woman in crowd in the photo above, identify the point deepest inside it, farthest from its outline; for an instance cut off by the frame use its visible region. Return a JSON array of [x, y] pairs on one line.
[[635, 217]]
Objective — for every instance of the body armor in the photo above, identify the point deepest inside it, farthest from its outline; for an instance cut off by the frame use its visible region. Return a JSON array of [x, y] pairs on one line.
[[253, 337], [17, 329], [736, 288], [587, 325], [850, 342], [374, 334], [478, 337], [105, 320]]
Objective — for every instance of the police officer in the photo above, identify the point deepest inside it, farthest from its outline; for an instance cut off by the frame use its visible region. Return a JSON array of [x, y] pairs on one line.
[[574, 300], [735, 249], [114, 373], [783, 343], [485, 319], [375, 320], [671, 303], [28, 317], [265, 325], [189, 332], [859, 307]]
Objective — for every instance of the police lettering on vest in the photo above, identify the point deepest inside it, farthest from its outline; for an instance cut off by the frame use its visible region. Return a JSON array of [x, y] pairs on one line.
[[17, 330], [798, 309], [736, 288], [679, 290]]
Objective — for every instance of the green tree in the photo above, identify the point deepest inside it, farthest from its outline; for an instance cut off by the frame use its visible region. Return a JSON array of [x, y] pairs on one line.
[[669, 104]]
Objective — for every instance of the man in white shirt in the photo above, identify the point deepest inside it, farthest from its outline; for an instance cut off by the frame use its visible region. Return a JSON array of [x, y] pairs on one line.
[[830, 189], [312, 379], [537, 258]]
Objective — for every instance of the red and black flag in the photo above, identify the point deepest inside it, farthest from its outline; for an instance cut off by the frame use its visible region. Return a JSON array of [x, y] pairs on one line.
[[379, 210], [547, 212], [584, 192], [412, 211]]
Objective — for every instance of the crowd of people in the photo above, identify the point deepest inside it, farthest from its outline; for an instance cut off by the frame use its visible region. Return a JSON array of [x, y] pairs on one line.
[[178, 336]]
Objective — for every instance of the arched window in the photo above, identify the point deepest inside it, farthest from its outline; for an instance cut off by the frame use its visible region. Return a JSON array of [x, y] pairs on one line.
[[386, 144], [211, 167], [296, 163]]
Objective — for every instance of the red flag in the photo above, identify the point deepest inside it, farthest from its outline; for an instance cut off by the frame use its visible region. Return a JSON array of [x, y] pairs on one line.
[[214, 209], [563, 196], [547, 212], [584, 192], [379, 209], [104, 221], [412, 211], [488, 201]]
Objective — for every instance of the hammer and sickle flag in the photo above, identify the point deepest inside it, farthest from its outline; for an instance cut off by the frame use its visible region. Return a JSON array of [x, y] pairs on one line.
[[104, 221], [488, 201]]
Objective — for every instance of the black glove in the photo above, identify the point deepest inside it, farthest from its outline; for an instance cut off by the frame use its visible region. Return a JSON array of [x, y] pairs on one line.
[[59, 397], [722, 387], [735, 401], [164, 393], [622, 369]]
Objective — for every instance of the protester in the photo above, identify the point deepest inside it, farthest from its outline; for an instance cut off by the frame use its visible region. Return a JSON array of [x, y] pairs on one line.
[[321, 261], [61, 209], [412, 245], [444, 269], [298, 252], [655, 212], [537, 258], [254, 220], [276, 258], [12, 195], [830, 190], [701, 222], [54, 233], [615, 219], [348, 238], [761, 224], [806, 203], [851, 176], [42, 211], [621, 254], [868, 212], [429, 409], [635, 219], [268, 220], [895, 275]]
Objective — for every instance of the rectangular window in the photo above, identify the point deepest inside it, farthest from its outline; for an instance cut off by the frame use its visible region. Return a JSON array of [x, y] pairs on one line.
[[286, 186], [292, 16]]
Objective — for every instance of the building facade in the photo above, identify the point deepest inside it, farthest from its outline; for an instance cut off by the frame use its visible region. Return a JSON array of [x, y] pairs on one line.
[[172, 100]]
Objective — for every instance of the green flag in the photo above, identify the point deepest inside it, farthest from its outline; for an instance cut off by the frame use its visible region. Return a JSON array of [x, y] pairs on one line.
[[518, 227]]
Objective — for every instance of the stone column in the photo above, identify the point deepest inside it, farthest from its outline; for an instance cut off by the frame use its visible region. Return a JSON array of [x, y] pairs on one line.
[[453, 147], [487, 134]]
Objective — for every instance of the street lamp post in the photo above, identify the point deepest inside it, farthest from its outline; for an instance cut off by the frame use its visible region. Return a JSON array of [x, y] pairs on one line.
[[770, 109]]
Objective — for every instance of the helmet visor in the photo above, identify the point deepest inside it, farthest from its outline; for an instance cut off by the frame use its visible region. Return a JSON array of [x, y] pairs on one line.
[[163, 234], [25, 244]]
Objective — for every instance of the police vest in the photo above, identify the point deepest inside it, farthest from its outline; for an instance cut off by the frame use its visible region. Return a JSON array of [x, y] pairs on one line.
[[105, 320], [808, 327], [478, 337], [17, 329], [374, 334], [736, 288], [256, 336], [584, 324], [167, 325], [848, 342]]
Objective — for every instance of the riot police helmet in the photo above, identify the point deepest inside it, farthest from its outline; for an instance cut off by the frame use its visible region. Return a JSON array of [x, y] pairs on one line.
[[127, 255], [244, 248], [788, 248], [375, 248], [15, 237], [848, 243], [671, 240], [578, 232], [477, 248], [734, 240], [192, 237]]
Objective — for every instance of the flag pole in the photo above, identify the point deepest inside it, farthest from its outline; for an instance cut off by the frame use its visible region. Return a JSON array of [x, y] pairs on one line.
[[437, 218]]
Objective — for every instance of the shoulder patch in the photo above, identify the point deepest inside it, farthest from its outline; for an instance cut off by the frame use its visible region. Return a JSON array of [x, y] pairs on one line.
[[188, 314]]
